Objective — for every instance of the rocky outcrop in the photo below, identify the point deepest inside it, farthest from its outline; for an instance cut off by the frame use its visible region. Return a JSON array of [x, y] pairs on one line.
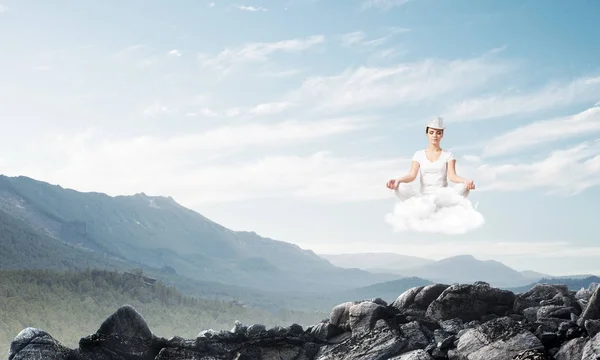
[[435, 322]]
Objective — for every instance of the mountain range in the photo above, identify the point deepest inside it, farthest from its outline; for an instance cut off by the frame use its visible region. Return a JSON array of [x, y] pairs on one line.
[[159, 233], [461, 268], [48, 226]]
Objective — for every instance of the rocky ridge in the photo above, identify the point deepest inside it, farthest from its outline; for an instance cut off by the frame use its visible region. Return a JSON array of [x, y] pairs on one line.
[[433, 322]]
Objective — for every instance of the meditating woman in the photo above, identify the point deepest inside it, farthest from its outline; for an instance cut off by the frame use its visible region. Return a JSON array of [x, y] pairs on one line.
[[434, 165]]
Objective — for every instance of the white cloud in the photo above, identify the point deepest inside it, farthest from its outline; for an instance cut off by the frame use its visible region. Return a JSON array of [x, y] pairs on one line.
[[359, 38], [269, 108], [539, 132], [257, 52], [207, 112], [352, 38], [279, 74], [156, 109], [581, 90], [372, 87], [567, 171], [3, 8], [184, 166], [251, 8], [175, 53], [446, 213]]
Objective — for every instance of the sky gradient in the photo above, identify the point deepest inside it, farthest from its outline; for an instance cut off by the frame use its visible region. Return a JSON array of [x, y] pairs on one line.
[[288, 117]]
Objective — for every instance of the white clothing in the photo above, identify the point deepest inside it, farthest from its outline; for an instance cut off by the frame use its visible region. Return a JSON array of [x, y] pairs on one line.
[[404, 191], [433, 177]]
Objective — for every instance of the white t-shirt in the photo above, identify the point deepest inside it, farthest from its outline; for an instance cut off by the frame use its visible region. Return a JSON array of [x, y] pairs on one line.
[[434, 175]]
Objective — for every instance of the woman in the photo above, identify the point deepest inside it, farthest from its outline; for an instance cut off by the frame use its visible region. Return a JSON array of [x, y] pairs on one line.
[[434, 165]]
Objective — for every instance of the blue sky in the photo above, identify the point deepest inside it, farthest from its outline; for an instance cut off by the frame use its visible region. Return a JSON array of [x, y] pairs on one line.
[[287, 117]]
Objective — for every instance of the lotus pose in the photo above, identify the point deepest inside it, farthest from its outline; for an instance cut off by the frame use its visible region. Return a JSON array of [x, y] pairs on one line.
[[434, 165]]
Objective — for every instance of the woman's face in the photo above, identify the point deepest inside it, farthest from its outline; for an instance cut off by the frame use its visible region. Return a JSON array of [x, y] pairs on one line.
[[435, 136]]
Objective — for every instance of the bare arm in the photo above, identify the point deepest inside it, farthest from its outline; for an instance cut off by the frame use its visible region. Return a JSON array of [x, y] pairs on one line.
[[452, 176], [411, 176], [412, 173]]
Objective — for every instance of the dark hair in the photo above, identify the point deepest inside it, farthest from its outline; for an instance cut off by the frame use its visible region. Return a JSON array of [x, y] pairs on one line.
[[427, 130]]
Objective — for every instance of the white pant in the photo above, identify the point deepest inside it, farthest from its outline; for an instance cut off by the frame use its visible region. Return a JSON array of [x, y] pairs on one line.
[[405, 191]]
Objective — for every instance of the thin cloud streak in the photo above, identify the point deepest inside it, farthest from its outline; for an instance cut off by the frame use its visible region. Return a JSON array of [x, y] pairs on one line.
[[578, 91], [529, 135], [229, 58], [373, 88]]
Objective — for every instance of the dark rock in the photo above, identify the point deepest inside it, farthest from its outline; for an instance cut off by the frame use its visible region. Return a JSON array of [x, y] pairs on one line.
[[36, 344], [415, 336], [549, 339], [325, 331], [123, 334], [413, 355], [573, 333], [340, 315], [498, 339], [565, 326], [255, 330], [470, 302], [427, 295], [591, 349], [571, 350], [447, 342], [381, 344], [592, 327], [592, 311], [534, 354], [407, 298], [530, 313], [555, 311], [439, 354], [537, 294], [452, 326], [364, 315]]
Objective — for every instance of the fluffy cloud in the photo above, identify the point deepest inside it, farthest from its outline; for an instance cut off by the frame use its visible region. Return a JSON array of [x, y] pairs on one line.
[[446, 213]]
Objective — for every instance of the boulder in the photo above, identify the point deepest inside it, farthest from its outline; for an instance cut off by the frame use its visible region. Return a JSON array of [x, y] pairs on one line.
[[470, 302]]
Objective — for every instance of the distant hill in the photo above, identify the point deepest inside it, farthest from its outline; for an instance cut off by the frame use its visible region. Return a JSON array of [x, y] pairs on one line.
[[572, 283], [376, 262], [534, 275], [156, 232], [23, 246], [468, 269]]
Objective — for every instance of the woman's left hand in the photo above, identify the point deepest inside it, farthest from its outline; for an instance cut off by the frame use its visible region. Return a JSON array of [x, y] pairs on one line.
[[470, 184]]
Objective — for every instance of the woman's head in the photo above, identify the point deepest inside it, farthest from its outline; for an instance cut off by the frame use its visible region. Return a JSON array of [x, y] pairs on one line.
[[434, 135], [435, 130]]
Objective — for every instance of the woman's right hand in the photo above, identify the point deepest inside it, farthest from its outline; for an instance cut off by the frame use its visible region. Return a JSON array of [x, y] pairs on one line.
[[392, 184]]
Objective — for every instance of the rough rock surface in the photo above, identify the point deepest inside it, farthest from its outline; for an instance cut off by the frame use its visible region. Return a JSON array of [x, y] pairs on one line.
[[435, 322]]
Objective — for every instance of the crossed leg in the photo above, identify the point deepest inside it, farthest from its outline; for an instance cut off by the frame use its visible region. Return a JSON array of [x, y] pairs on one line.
[[405, 191]]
